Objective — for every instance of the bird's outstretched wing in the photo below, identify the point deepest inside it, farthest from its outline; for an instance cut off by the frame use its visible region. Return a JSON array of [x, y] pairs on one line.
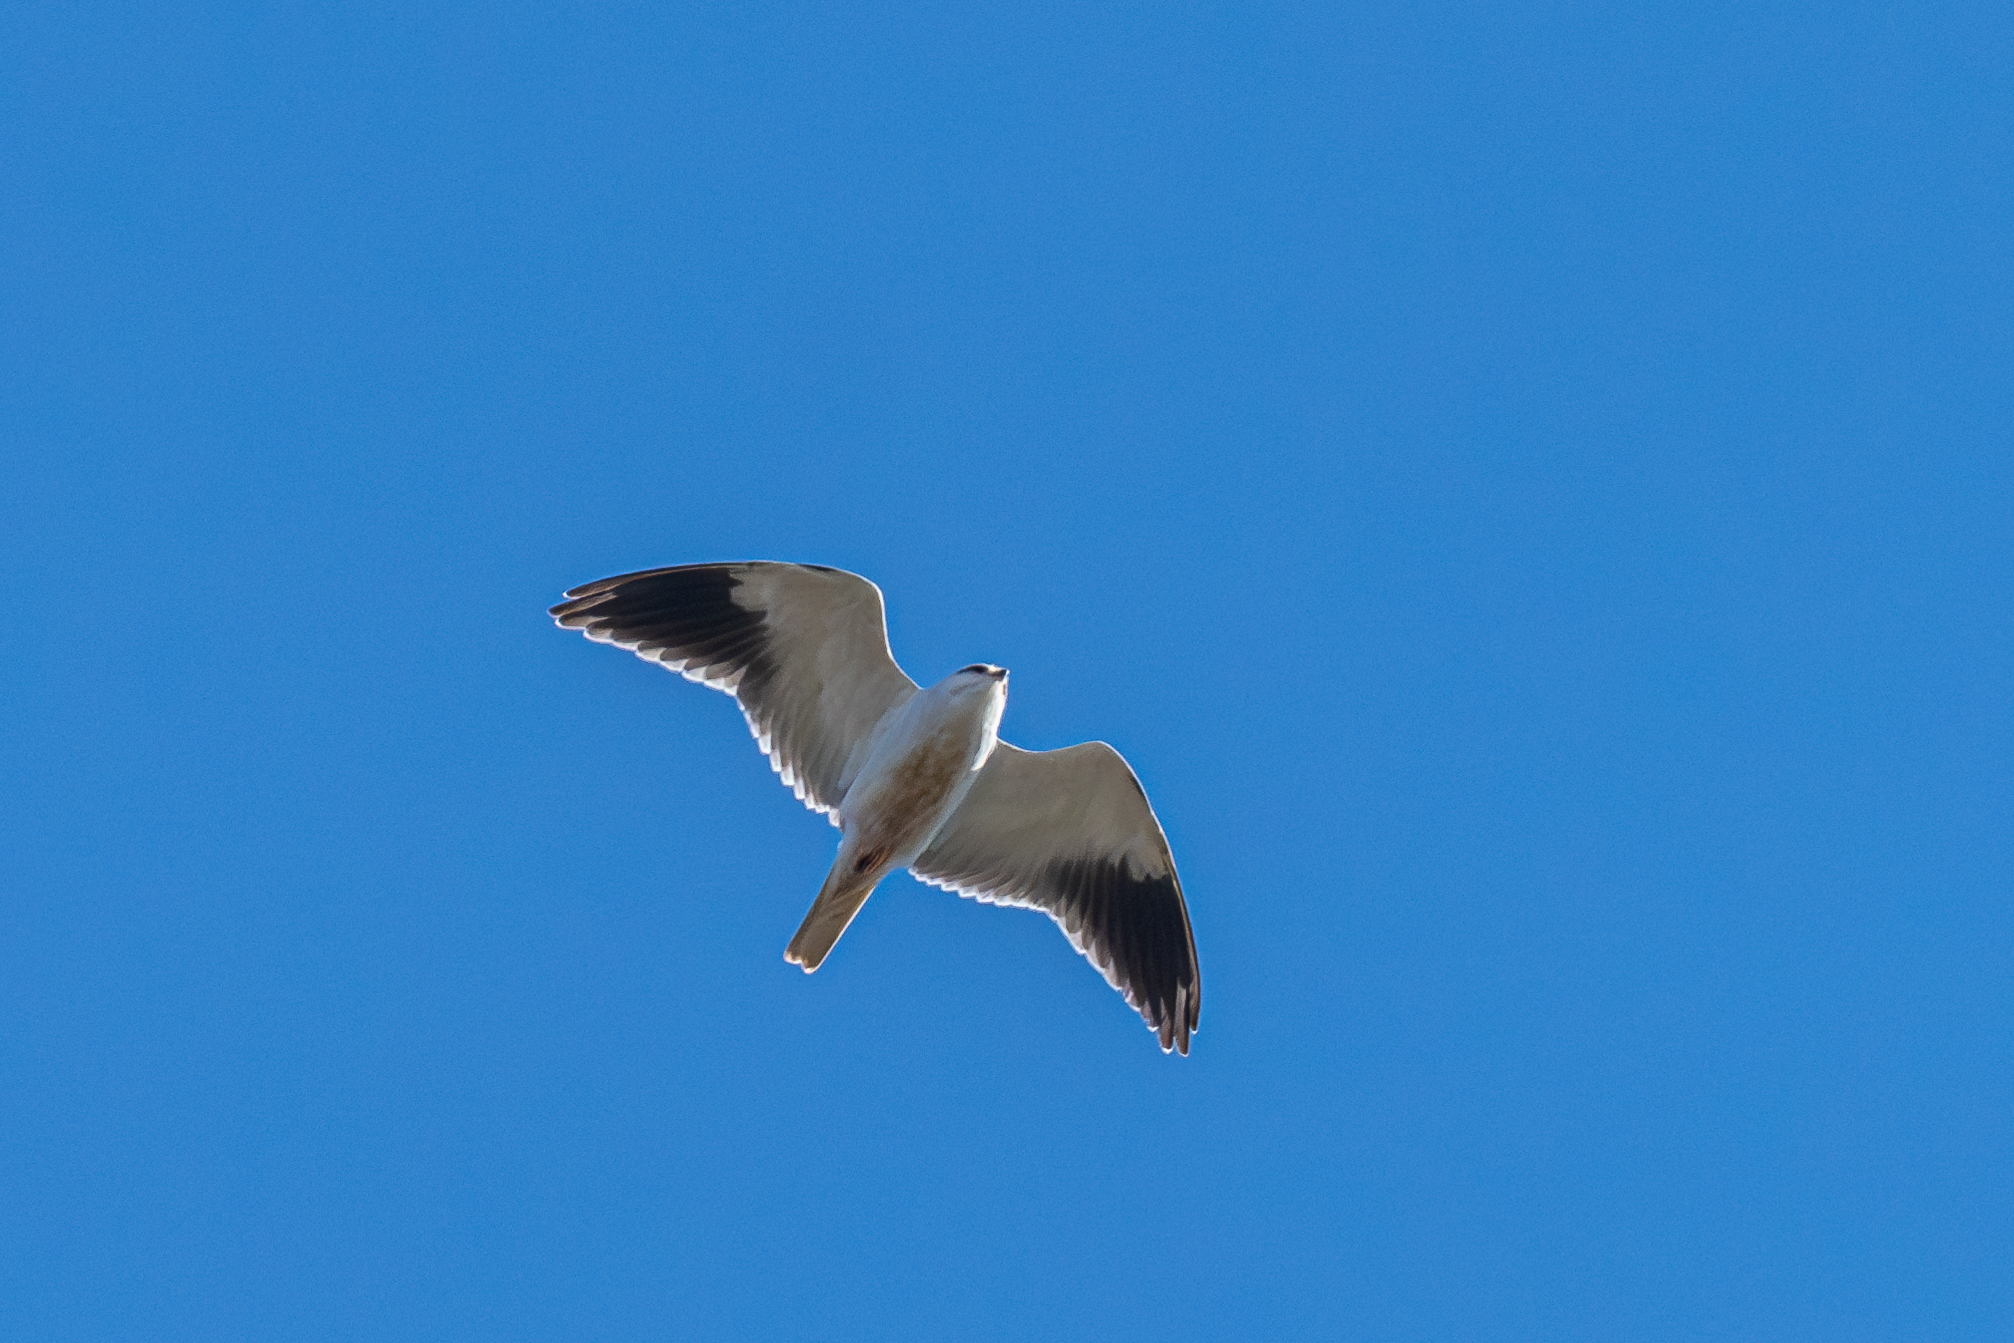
[[803, 648], [1070, 833]]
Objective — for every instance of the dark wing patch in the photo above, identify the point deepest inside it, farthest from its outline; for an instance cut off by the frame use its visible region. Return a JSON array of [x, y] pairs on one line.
[[687, 615], [804, 650], [1136, 930], [1070, 832]]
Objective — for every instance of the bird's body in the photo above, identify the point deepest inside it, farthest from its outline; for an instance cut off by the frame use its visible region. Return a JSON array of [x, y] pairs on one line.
[[913, 777], [921, 762]]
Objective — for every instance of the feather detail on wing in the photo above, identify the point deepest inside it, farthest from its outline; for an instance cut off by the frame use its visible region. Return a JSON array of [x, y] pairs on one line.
[[1070, 833], [802, 648]]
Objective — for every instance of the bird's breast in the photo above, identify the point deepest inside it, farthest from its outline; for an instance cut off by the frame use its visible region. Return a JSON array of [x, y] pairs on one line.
[[908, 789]]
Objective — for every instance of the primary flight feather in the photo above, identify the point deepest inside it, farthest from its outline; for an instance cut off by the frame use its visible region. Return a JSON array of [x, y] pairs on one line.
[[915, 777]]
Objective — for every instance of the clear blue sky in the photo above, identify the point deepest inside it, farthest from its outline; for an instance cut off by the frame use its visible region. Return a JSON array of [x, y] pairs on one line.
[[1527, 486]]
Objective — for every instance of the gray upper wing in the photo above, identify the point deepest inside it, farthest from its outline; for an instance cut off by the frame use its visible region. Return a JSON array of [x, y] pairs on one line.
[[802, 648], [1070, 833]]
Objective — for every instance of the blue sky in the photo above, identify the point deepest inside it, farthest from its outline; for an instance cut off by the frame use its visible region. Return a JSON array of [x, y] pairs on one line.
[[1527, 487]]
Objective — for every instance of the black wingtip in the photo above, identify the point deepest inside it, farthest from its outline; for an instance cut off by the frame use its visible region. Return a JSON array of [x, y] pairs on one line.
[[1139, 927], [698, 572]]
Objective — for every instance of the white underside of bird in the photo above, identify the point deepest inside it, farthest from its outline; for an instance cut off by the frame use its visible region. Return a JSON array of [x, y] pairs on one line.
[[916, 777], [922, 760]]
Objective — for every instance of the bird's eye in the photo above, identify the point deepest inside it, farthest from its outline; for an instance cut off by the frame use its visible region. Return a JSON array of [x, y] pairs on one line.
[[978, 667]]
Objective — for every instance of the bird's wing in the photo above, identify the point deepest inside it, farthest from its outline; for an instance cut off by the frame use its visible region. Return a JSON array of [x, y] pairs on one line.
[[1070, 833], [803, 648]]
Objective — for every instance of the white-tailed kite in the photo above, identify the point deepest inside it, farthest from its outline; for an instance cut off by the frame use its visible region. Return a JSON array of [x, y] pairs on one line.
[[916, 778]]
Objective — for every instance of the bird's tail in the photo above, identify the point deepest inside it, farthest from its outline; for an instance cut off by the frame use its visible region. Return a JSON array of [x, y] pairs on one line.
[[846, 889]]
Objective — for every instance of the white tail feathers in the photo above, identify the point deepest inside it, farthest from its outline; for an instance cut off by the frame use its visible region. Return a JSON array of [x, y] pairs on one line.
[[846, 889]]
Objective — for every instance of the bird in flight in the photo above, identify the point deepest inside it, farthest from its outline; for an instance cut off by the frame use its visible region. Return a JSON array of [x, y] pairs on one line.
[[916, 777]]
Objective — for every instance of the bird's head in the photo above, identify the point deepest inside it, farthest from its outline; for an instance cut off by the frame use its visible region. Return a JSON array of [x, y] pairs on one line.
[[981, 680]]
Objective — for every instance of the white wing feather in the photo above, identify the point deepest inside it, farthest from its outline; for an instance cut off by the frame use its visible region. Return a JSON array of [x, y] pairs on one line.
[[1071, 833], [803, 649]]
